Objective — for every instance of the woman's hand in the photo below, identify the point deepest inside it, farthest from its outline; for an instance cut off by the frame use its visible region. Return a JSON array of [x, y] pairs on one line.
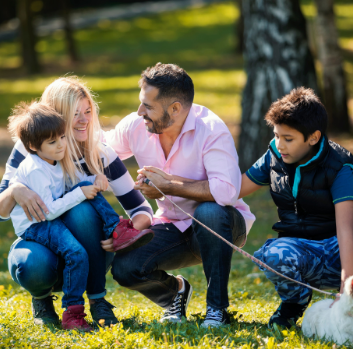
[[101, 181], [90, 191], [30, 202], [107, 245]]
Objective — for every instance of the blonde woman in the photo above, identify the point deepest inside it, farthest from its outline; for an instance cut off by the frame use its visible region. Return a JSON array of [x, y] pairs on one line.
[[32, 265]]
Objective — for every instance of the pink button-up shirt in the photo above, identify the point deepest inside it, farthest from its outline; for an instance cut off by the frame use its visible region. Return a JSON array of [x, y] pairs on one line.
[[203, 150]]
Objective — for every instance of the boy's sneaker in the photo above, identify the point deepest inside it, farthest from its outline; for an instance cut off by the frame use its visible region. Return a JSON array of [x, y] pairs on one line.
[[73, 319], [215, 318], [44, 312], [102, 313], [287, 314], [178, 308], [126, 237]]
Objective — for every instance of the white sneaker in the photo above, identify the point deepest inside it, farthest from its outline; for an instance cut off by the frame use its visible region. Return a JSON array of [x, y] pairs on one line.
[[215, 318], [180, 303]]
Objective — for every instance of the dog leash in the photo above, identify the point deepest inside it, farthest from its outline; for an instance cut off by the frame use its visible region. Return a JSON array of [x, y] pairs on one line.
[[238, 249]]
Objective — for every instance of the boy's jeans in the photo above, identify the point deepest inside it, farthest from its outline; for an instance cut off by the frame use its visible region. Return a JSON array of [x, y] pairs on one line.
[[109, 217], [314, 262], [55, 236]]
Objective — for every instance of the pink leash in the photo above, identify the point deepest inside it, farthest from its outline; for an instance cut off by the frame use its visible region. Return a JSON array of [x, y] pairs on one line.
[[247, 255]]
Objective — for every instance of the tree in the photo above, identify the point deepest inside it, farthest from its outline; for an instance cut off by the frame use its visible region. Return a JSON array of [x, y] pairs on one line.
[[28, 37], [70, 42], [278, 59], [329, 54]]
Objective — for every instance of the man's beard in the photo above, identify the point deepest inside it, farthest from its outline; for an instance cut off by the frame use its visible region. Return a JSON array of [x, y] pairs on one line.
[[159, 125]]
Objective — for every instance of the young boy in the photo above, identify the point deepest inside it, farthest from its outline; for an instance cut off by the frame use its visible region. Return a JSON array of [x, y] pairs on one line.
[[311, 183], [48, 170]]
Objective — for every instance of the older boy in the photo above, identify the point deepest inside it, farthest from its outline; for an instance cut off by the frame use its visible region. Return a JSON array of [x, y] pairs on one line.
[[311, 182]]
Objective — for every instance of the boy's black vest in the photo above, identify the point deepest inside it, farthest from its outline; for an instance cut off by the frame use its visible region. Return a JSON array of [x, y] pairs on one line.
[[306, 209]]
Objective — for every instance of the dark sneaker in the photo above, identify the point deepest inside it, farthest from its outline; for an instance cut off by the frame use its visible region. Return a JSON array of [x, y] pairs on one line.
[[287, 314], [127, 238], [44, 312], [215, 318], [102, 313], [74, 319], [178, 308]]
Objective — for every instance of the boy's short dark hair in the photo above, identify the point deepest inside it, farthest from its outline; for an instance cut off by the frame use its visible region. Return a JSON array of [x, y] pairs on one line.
[[301, 109], [171, 81], [34, 123]]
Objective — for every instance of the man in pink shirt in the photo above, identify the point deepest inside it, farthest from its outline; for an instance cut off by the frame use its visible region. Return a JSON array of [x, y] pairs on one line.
[[188, 152]]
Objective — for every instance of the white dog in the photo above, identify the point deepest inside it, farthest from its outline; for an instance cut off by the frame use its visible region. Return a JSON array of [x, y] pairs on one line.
[[335, 323]]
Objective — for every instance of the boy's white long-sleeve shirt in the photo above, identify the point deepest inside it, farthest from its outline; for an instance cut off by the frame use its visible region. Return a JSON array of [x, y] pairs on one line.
[[48, 182]]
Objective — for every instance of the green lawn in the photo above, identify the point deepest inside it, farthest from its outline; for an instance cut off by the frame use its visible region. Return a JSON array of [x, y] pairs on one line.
[[202, 41]]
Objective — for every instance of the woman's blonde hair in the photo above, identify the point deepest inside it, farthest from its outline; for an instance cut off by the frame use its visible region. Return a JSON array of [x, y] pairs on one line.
[[64, 95], [33, 123]]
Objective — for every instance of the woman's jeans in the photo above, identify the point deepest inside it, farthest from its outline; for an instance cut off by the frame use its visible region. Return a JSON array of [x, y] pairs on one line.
[[143, 269], [40, 271]]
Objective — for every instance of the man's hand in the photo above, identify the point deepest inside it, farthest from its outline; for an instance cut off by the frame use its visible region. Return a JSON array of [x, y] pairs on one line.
[[90, 191], [107, 245], [101, 181], [158, 177], [30, 202]]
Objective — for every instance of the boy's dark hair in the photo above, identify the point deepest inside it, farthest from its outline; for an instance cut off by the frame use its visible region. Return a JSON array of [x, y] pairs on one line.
[[34, 123], [301, 109], [171, 81]]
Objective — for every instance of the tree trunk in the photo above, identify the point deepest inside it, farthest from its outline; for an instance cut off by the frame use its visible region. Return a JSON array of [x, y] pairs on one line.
[[28, 37], [278, 59], [329, 53], [70, 42]]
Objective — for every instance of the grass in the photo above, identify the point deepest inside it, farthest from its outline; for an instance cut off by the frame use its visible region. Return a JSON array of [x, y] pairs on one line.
[[252, 301], [202, 41]]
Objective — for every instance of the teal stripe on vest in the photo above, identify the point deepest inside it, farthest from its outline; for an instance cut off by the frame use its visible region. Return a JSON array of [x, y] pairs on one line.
[[274, 148], [297, 176]]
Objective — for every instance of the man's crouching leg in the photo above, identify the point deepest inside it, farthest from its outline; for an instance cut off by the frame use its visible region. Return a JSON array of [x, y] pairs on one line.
[[216, 254]]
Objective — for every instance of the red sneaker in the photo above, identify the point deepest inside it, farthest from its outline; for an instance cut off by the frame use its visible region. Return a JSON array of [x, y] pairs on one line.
[[126, 237], [73, 319]]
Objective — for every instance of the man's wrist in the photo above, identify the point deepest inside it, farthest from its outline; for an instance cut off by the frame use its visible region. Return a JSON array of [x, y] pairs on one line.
[[166, 187]]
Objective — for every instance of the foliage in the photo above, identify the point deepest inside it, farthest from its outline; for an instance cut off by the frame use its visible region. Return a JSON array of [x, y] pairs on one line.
[[200, 39]]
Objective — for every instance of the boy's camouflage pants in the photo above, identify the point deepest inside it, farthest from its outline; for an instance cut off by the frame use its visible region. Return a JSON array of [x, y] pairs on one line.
[[309, 261]]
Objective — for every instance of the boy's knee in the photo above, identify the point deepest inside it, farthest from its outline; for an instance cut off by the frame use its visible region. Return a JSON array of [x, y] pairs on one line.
[[280, 252], [78, 255]]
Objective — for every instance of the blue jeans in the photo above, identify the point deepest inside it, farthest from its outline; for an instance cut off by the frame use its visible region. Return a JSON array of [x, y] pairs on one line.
[[55, 236], [143, 269], [314, 262], [40, 271]]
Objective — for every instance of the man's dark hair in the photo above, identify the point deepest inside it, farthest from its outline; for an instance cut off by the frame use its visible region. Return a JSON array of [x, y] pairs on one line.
[[34, 123], [301, 109], [171, 81]]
